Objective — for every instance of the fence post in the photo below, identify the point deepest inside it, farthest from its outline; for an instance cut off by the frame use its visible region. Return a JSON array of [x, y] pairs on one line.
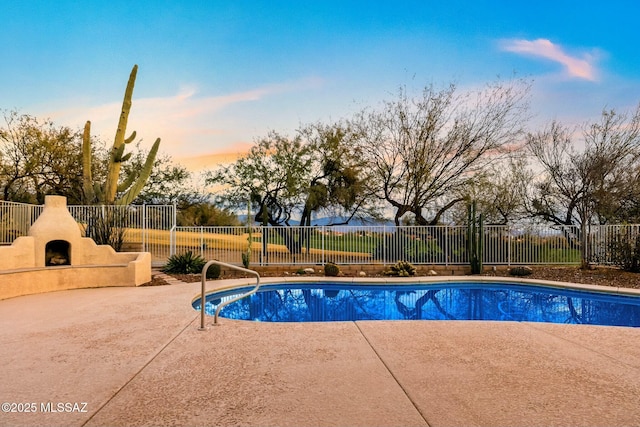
[[175, 214], [172, 232], [263, 232], [323, 248], [446, 245], [509, 245], [202, 241], [144, 227], [384, 244]]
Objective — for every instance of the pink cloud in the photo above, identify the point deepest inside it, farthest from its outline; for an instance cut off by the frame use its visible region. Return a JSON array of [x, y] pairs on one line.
[[579, 67], [187, 122]]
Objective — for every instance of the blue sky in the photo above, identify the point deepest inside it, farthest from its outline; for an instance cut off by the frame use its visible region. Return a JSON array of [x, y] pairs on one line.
[[214, 75]]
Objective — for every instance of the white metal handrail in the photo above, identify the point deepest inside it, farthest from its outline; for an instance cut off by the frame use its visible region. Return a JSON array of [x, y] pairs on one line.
[[224, 303]]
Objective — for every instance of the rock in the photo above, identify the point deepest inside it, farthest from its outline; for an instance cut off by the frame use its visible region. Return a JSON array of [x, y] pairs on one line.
[[309, 270], [362, 274], [432, 273]]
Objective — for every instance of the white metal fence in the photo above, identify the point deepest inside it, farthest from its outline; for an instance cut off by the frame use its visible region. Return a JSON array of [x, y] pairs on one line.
[[15, 219], [148, 228], [420, 245], [153, 228]]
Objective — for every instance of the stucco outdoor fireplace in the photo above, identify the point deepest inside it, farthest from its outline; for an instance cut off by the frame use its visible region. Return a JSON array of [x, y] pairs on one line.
[[55, 256]]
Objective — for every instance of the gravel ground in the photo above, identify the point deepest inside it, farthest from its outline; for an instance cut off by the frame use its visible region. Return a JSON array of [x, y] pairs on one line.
[[603, 276]]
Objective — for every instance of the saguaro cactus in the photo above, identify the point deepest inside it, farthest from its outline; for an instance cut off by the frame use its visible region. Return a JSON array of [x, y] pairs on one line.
[[475, 238], [87, 178], [131, 186]]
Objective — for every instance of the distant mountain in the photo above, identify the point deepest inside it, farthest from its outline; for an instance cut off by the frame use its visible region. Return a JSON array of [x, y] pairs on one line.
[[353, 223], [330, 221]]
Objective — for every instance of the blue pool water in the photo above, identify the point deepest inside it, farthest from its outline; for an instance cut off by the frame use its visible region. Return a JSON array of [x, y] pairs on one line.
[[321, 302]]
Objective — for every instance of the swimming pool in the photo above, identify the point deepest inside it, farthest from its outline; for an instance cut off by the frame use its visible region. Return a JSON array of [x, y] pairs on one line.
[[321, 302]]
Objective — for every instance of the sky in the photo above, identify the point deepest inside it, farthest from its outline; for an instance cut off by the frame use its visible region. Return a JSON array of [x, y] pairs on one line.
[[215, 75]]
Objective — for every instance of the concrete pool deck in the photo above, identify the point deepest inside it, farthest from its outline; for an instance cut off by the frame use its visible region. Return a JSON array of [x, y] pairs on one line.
[[135, 356]]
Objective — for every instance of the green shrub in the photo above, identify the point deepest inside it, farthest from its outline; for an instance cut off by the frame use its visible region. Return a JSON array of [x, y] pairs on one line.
[[213, 272], [331, 269], [401, 269], [186, 263], [189, 263]]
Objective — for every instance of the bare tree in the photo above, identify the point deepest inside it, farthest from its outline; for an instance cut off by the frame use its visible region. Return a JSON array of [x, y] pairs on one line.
[[613, 147], [499, 192], [556, 196], [425, 152], [589, 180], [592, 180]]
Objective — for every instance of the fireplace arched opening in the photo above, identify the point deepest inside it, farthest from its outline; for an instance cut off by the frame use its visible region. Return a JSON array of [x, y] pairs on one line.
[[57, 252]]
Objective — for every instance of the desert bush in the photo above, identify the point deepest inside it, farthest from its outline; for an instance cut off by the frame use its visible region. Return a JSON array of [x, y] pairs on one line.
[[213, 272], [520, 271], [331, 269], [189, 263], [625, 251], [185, 263], [401, 269], [107, 227]]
